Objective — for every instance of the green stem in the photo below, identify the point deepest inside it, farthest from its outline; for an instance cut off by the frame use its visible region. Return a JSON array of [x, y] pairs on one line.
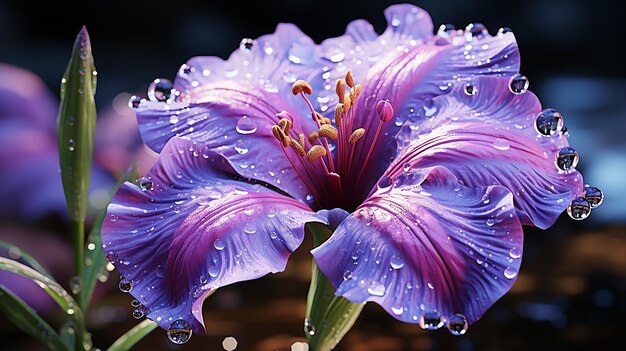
[[133, 336], [78, 243]]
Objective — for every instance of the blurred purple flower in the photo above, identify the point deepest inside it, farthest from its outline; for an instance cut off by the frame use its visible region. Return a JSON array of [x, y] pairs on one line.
[[427, 174]]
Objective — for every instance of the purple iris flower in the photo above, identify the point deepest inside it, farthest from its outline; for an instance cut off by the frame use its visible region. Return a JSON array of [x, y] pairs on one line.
[[424, 152]]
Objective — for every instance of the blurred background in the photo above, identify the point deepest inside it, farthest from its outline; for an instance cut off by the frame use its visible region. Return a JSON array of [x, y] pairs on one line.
[[571, 291]]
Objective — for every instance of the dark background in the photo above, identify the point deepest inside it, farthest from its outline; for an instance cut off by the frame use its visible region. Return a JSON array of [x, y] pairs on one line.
[[571, 293]]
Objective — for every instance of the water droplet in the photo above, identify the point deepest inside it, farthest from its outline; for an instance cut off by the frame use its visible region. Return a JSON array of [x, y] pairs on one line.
[[75, 285], [502, 31], [501, 144], [179, 332], [145, 184], [431, 320], [240, 147], [70, 309], [594, 196], [384, 183], [475, 31], [515, 252], [247, 44], [470, 89], [579, 209], [445, 30], [219, 244], [160, 90], [376, 289], [396, 262], [289, 77], [567, 159], [457, 324], [309, 328], [347, 275], [71, 145], [249, 228], [125, 285], [112, 257], [229, 343], [397, 310], [246, 125], [213, 271], [518, 84], [173, 119], [185, 70], [490, 222], [510, 273], [548, 122], [138, 313], [135, 303], [309, 198], [134, 101], [407, 167], [430, 286]]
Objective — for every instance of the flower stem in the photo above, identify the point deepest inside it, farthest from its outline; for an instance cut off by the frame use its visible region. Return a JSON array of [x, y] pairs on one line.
[[78, 244]]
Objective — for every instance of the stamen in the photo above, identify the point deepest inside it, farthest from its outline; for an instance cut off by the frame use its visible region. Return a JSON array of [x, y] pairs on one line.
[[328, 131], [285, 125], [281, 136], [356, 135], [313, 136], [338, 114], [301, 139], [315, 153], [347, 101], [349, 79], [340, 88], [301, 86], [299, 148]]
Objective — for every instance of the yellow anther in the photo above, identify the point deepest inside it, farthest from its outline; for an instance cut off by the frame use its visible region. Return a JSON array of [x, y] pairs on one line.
[[328, 131], [318, 117], [356, 135], [301, 86], [340, 88], [325, 121], [285, 124], [281, 136], [349, 79], [315, 153], [313, 136], [301, 139], [298, 147], [338, 114], [347, 102], [357, 88]]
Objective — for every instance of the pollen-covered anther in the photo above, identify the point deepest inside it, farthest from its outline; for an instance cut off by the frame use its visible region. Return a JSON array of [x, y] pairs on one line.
[[322, 119], [301, 139], [339, 114], [280, 135], [315, 153], [349, 79], [340, 88], [285, 124], [328, 131], [347, 101], [356, 135], [313, 136], [384, 110], [301, 86], [298, 147]]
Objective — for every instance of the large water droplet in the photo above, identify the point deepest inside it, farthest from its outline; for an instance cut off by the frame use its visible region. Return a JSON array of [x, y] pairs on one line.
[[567, 159], [213, 271], [445, 30], [376, 289], [125, 285], [579, 209], [135, 303], [179, 332], [515, 252], [240, 147], [246, 125], [475, 31], [160, 90], [134, 101], [112, 257], [470, 89], [249, 228], [518, 84], [219, 244], [510, 273], [457, 324], [548, 122], [431, 320], [594, 196], [396, 262], [501, 144], [247, 44], [384, 183], [138, 313], [145, 184], [309, 328]]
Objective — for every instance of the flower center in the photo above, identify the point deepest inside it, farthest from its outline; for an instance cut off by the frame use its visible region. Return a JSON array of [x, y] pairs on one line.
[[332, 177]]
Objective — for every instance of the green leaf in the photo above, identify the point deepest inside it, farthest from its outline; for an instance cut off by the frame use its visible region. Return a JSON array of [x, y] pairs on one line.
[[28, 320], [328, 317], [19, 254], [76, 124], [94, 261], [133, 336]]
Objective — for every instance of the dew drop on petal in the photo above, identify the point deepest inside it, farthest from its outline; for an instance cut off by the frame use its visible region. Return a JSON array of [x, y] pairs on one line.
[[501, 144], [347, 275], [160, 90], [240, 147], [246, 125], [445, 30], [475, 31], [502, 31], [579, 209], [396, 262], [145, 184], [218, 244], [125, 285], [510, 273], [247, 44], [249, 228], [594, 196], [397, 310], [518, 84], [431, 320], [179, 332], [548, 122], [213, 271], [407, 167], [384, 183], [376, 289], [515, 252], [138, 313], [470, 89], [135, 303], [112, 257], [185, 70], [457, 324], [567, 159], [134, 101]]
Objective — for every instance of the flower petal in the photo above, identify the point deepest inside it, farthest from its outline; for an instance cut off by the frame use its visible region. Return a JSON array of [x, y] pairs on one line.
[[189, 228], [426, 243], [489, 138], [408, 64], [230, 106]]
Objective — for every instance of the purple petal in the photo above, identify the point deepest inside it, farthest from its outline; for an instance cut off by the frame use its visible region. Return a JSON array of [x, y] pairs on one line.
[[407, 64], [230, 106], [489, 138], [425, 243], [189, 228]]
